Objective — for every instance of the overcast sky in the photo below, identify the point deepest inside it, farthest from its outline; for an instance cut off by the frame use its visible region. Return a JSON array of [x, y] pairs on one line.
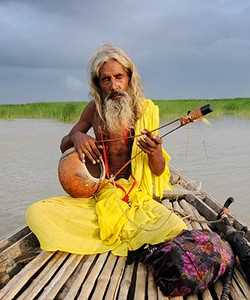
[[183, 49]]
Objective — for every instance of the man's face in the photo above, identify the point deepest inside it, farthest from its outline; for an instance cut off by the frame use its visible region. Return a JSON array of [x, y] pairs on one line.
[[113, 79]]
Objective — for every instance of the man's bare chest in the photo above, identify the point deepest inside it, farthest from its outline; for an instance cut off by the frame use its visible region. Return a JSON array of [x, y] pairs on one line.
[[118, 149]]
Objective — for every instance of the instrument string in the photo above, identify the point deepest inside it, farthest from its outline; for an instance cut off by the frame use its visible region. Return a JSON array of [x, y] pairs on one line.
[[138, 135], [183, 121]]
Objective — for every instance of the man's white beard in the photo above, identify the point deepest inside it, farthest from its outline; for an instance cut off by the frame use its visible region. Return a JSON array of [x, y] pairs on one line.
[[119, 114]]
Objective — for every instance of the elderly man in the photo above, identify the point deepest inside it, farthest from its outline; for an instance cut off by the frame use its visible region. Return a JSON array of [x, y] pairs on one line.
[[122, 215]]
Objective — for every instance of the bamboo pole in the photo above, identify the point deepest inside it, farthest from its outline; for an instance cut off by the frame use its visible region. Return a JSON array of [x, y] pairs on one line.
[[242, 282], [182, 213], [82, 274], [167, 204], [152, 290], [126, 282], [190, 211], [68, 284], [116, 278], [218, 287], [176, 298], [88, 285], [61, 277], [236, 293], [44, 277], [15, 285], [141, 277], [104, 278], [207, 295], [193, 297]]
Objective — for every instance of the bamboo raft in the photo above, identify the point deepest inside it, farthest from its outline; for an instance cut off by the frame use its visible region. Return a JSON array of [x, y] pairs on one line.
[[27, 272]]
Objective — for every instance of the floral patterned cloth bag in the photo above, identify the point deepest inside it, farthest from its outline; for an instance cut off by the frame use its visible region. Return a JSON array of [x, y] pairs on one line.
[[188, 264]]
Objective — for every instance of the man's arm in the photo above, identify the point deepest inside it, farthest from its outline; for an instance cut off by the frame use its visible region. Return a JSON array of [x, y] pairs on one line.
[[78, 137]]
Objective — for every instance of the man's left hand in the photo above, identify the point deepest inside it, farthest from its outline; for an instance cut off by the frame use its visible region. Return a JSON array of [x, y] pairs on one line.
[[149, 143]]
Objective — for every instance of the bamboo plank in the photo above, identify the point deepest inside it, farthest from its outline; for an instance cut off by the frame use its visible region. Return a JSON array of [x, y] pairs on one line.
[[167, 204], [14, 286], [242, 282], [116, 278], [218, 287], [88, 285], [178, 209], [185, 181], [58, 281], [104, 278], [44, 277], [192, 297], [202, 207], [176, 298], [152, 290], [235, 292], [126, 282], [73, 277], [207, 295], [202, 222], [179, 192], [190, 211], [182, 213], [81, 275], [141, 278]]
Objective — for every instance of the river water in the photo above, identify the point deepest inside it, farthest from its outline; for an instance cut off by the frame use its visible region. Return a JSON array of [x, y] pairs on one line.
[[218, 156]]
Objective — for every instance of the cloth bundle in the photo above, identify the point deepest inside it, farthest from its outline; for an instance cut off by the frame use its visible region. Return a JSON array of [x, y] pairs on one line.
[[188, 264]]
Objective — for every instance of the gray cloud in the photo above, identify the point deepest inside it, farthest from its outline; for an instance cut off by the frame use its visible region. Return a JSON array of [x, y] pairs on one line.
[[183, 49]]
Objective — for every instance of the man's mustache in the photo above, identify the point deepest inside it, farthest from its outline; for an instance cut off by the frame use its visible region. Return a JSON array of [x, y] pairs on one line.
[[115, 94]]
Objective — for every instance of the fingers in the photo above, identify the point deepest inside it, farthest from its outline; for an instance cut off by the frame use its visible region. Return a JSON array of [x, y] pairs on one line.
[[91, 151], [149, 136], [85, 145], [80, 154], [149, 143]]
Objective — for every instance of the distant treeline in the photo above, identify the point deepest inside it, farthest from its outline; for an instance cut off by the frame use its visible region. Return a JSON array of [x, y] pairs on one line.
[[70, 111]]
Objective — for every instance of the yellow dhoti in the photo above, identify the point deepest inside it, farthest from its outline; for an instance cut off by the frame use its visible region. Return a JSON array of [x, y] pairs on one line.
[[105, 222], [87, 226]]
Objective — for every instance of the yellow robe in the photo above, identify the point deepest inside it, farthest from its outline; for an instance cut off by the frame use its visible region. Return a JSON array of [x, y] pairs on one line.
[[105, 222]]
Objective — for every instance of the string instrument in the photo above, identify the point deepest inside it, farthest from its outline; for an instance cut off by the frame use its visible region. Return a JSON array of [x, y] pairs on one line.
[[84, 179], [80, 179]]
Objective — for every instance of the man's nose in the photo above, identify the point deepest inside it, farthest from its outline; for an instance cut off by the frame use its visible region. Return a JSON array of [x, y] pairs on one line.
[[113, 84]]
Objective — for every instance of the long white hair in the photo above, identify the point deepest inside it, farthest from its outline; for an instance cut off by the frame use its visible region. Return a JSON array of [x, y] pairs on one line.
[[102, 55]]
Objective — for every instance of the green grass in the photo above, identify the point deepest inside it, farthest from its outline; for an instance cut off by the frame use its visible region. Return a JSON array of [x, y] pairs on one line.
[[61, 111], [70, 111], [239, 107]]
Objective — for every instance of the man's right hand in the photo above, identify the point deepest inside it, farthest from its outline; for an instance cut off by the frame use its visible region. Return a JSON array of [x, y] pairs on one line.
[[86, 145]]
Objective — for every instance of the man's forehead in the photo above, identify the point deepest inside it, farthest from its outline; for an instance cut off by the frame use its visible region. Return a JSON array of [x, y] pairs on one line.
[[111, 66]]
